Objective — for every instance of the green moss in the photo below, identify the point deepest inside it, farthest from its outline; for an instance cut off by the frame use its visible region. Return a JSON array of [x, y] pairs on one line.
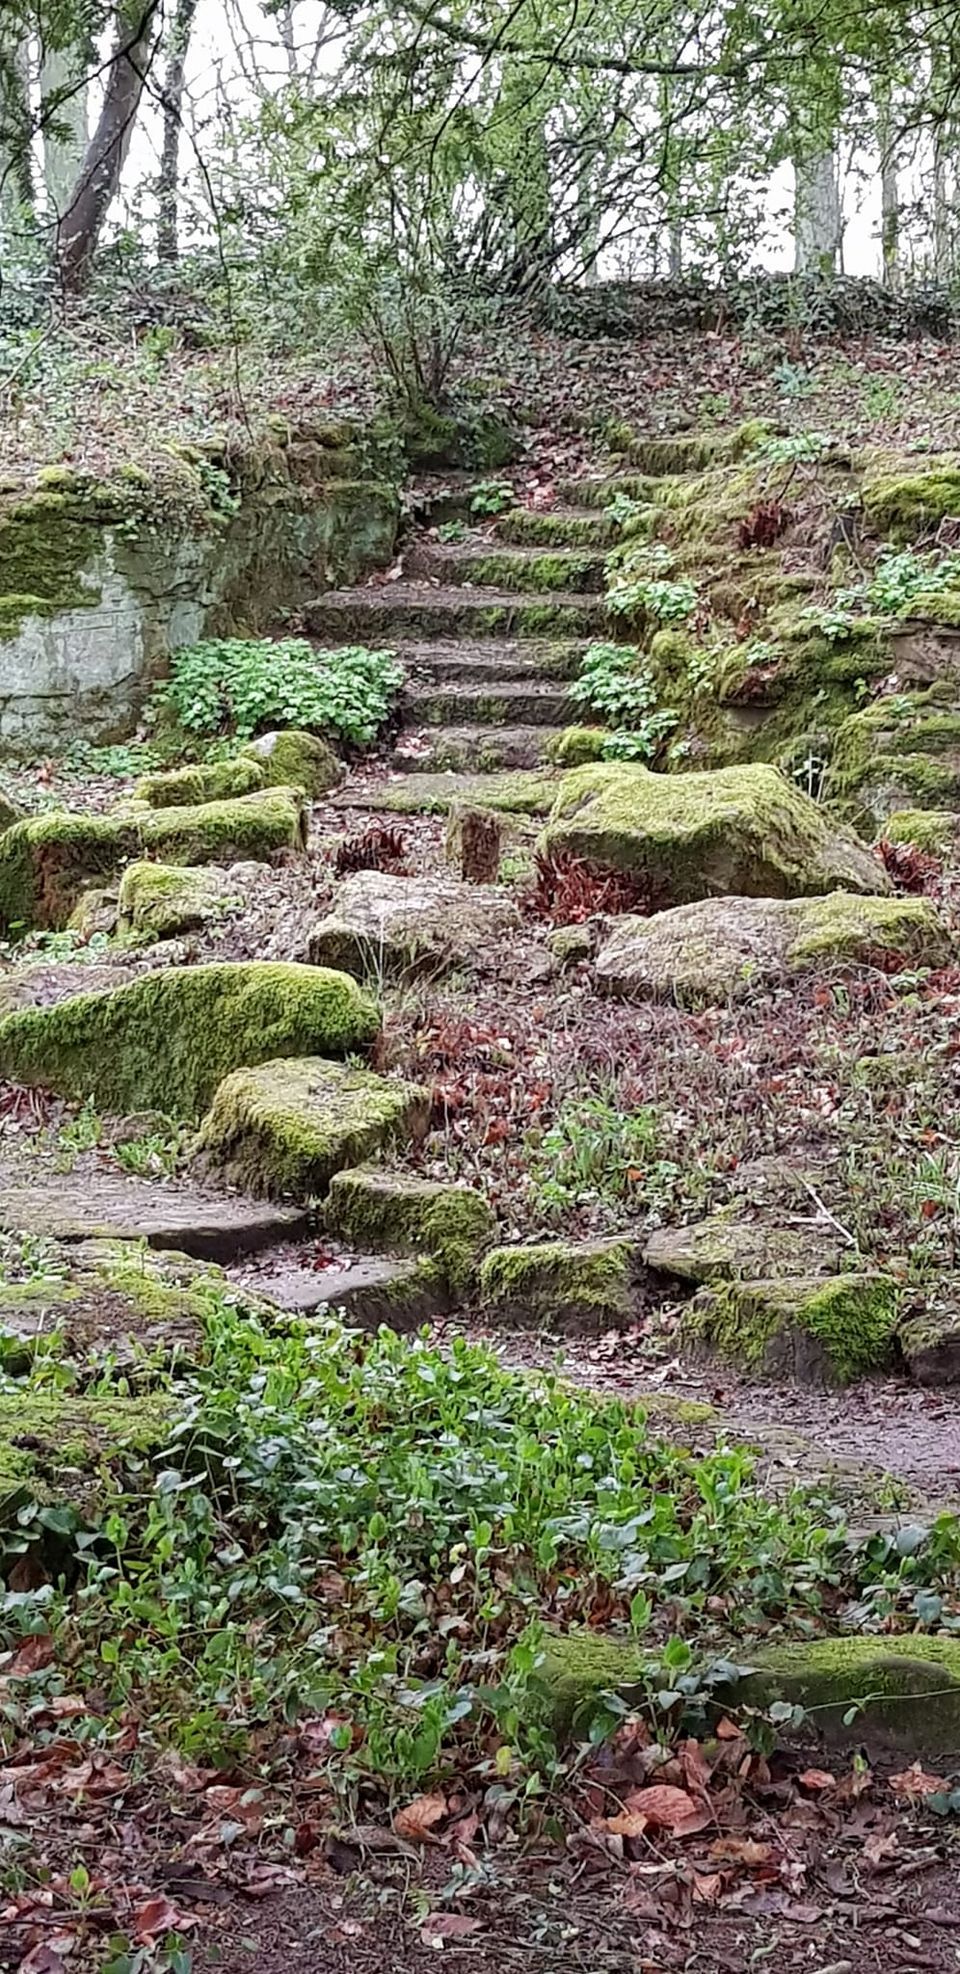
[[161, 900], [292, 759], [399, 1213], [287, 1126], [839, 927], [43, 560], [691, 452], [932, 830], [210, 1019], [575, 745], [184, 787], [826, 1331], [434, 794], [564, 569], [903, 506], [580, 1287], [46, 861], [570, 943], [528, 524], [64, 1450], [743, 831]]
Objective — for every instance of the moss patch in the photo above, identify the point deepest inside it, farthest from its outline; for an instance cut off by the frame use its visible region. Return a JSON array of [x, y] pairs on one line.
[[932, 830], [582, 1288], [296, 760], [59, 1449], [287, 1126], [181, 788], [434, 794], [903, 506], [575, 745], [400, 1213], [165, 1041], [161, 900], [821, 1332]]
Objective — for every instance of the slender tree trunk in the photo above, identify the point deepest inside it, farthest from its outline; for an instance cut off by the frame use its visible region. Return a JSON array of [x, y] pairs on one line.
[[168, 183], [16, 169], [941, 209], [81, 224], [889, 187], [287, 34], [818, 222], [65, 133]]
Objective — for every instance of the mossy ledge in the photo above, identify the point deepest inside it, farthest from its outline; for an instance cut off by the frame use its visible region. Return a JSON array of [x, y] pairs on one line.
[[211, 1020], [583, 1288], [376, 1209], [816, 1331], [286, 1127], [65, 1451], [906, 1689]]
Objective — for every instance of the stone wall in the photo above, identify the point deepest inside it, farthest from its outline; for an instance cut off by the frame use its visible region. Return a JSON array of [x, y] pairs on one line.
[[99, 583]]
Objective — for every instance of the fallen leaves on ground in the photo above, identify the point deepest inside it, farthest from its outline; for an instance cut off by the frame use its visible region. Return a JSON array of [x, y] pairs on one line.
[[416, 1822]]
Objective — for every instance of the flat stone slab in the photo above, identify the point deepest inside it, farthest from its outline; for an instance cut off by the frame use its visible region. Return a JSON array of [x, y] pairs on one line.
[[367, 1290], [721, 949], [822, 1330], [411, 923], [434, 794], [287, 1126], [94, 1203], [725, 1248], [98, 1296], [45, 983], [577, 1288]]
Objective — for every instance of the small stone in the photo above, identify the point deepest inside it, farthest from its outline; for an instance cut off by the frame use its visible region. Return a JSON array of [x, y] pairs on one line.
[[288, 1125], [161, 900], [930, 1344], [367, 1291], [570, 944], [96, 911], [406, 1214], [577, 1288], [723, 1248], [475, 842]]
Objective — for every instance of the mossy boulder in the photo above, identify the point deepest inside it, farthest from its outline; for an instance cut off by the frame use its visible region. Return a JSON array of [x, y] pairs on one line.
[[169, 1038], [96, 912], [161, 900], [9, 812], [400, 1213], [903, 506], [286, 1126], [728, 1247], [61, 1450], [292, 759], [118, 1297], [746, 831], [398, 924], [581, 1288], [520, 793], [934, 831], [929, 1338], [575, 745], [903, 1691], [48, 861], [903, 751], [722, 949], [814, 1330], [218, 781]]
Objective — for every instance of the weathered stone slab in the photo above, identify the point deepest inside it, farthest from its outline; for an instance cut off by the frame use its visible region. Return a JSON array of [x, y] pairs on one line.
[[581, 1288], [367, 1291], [287, 1126], [725, 1248], [406, 923], [824, 1330]]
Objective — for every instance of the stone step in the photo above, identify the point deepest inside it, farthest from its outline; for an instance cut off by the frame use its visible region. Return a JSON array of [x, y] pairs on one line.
[[528, 568], [575, 527], [382, 614], [503, 658], [427, 794], [598, 491], [494, 704], [484, 749], [367, 1290]]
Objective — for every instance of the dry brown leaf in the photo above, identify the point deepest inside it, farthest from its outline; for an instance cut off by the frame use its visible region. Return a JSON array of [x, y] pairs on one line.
[[880, 1846], [741, 1850], [707, 1887], [727, 1730], [448, 1926], [915, 1781], [669, 1808], [36, 1652], [416, 1821], [158, 1916], [815, 1779], [630, 1823]]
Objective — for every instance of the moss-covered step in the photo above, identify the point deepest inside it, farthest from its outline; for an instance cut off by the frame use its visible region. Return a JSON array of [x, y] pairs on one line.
[[435, 794], [165, 1041], [293, 759], [745, 831], [817, 1330], [727, 1246], [288, 1125], [929, 1332], [527, 568], [158, 901], [578, 1288], [903, 1692], [419, 610], [366, 1290], [462, 749], [379, 923], [101, 1296], [47, 861], [61, 1450], [903, 751], [471, 702], [383, 1210], [491, 659], [557, 527], [904, 505], [723, 949], [187, 787], [94, 1201]]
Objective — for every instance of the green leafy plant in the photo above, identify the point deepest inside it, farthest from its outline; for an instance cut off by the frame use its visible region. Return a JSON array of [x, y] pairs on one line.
[[656, 597], [451, 532], [623, 509], [238, 685], [592, 1149], [642, 742], [794, 449], [491, 497], [613, 683]]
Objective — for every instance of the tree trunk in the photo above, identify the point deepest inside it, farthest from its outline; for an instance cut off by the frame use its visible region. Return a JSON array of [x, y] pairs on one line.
[[65, 133], [169, 180], [941, 209], [81, 224], [16, 171], [818, 222], [889, 187]]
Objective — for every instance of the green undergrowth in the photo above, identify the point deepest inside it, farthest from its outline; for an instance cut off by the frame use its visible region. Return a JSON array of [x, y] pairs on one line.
[[375, 1531], [239, 685]]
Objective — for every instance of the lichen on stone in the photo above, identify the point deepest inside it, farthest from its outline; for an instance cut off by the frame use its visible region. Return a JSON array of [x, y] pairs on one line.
[[816, 1331], [165, 1041], [378, 1209], [286, 1126], [581, 1287]]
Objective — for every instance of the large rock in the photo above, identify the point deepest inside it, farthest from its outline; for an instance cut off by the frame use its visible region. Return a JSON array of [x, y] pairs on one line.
[[47, 861], [744, 831], [580, 1288], [379, 1209], [287, 1126], [292, 759], [719, 949], [102, 1296], [161, 900], [380, 922], [214, 781], [165, 1041], [64, 1450], [726, 1248], [822, 1330]]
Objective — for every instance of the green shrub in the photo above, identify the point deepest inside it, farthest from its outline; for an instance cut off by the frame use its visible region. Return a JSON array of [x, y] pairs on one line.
[[238, 685]]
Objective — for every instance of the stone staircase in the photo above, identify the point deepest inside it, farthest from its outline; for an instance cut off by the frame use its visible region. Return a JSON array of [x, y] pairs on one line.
[[490, 630]]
